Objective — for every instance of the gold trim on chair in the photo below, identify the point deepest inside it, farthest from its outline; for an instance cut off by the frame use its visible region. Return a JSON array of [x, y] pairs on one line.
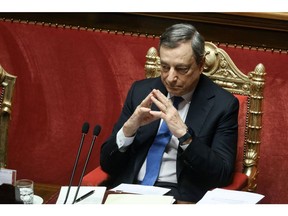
[[221, 69], [7, 87]]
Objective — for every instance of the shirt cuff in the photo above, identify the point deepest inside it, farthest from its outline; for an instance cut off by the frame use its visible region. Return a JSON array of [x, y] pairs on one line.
[[184, 146], [122, 141]]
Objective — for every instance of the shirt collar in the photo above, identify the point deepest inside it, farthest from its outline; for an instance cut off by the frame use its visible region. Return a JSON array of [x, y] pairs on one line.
[[187, 97]]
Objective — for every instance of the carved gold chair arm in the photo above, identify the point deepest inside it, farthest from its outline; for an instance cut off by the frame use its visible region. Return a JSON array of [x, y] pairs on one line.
[[7, 88]]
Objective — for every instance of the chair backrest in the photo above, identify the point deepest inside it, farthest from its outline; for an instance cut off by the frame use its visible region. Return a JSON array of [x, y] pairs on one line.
[[249, 91], [6, 94]]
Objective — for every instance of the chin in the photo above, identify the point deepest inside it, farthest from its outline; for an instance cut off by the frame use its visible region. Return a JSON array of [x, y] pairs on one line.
[[175, 92]]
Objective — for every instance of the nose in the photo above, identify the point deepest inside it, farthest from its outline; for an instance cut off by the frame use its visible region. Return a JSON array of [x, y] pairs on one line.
[[172, 75]]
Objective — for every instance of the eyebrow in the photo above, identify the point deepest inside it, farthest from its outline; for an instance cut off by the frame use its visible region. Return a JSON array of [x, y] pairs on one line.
[[177, 65], [163, 62]]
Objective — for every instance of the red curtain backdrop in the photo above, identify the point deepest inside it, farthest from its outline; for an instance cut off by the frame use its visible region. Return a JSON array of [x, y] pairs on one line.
[[68, 76]]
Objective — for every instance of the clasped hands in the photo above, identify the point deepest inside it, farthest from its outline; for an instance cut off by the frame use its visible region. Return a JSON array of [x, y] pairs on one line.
[[143, 115]]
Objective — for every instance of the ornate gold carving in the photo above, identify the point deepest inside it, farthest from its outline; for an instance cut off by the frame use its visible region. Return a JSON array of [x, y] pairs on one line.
[[152, 65], [251, 157], [7, 87], [221, 69]]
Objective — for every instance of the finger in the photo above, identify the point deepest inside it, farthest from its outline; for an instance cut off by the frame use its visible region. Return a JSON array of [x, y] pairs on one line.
[[147, 102], [160, 96], [144, 109], [157, 114], [161, 101], [159, 104]]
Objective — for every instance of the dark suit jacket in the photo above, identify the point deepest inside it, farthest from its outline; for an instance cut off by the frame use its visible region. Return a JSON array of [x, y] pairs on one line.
[[207, 162]]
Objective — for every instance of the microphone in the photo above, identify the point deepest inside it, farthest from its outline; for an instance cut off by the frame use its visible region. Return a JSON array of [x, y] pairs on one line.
[[96, 132], [85, 129]]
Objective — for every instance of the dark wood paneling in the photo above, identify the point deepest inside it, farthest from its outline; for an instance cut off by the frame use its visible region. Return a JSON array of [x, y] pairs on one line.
[[231, 28]]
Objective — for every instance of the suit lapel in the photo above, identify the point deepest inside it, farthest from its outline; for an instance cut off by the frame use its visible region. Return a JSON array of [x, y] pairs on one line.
[[201, 103]]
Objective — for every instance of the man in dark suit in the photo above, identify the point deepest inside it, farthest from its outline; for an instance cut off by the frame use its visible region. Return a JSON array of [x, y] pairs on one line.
[[202, 150]]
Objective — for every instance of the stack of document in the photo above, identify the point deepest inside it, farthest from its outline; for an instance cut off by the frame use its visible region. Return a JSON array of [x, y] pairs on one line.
[[139, 194], [138, 199], [223, 196], [140, 189]]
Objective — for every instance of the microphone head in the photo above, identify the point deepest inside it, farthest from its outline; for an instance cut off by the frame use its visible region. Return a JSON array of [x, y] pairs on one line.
[[85, 128], [97, 130]]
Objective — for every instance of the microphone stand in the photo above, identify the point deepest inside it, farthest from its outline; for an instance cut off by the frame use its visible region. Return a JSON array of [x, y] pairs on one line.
[[85, 129], [96, 132]]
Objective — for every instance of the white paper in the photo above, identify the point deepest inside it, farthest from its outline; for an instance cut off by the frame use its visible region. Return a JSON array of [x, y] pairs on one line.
[[140, 189], [7, 176], [138, 199], [223, 196], [95, 198]]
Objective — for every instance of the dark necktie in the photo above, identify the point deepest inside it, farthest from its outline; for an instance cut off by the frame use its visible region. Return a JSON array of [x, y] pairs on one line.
[[155, 153]]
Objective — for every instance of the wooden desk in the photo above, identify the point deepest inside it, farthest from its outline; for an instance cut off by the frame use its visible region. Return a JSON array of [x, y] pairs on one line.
[[48, 192]]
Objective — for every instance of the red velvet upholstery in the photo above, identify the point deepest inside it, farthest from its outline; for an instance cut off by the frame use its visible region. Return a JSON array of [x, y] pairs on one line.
[[68, 76], [241, 131], [95, 177], [240, 181]]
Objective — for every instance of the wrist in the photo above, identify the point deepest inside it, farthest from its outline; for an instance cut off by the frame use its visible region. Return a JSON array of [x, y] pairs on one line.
[[127, 131], [187, 137], [183, 132]]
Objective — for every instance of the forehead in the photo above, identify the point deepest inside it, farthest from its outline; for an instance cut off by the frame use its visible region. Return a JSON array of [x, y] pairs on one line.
[[181, 54]]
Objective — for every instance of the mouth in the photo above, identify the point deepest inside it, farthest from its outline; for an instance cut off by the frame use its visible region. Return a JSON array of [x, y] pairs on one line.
[[175, 87]]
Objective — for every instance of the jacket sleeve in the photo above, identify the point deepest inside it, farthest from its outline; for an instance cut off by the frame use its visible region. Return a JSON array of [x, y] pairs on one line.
[[211, 155], [111, 159]]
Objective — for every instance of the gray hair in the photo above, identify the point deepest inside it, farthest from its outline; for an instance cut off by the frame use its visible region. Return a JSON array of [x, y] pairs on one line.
[[180, 33]]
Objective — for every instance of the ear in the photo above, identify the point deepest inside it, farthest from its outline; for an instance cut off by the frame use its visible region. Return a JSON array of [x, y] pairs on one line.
[[201, 65]]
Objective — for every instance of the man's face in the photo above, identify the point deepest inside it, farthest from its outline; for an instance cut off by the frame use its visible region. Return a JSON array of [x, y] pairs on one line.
[[179, 71]]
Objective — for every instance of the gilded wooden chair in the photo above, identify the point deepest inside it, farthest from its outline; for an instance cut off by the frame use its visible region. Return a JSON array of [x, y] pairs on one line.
[[249, 91], [6, 94]]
